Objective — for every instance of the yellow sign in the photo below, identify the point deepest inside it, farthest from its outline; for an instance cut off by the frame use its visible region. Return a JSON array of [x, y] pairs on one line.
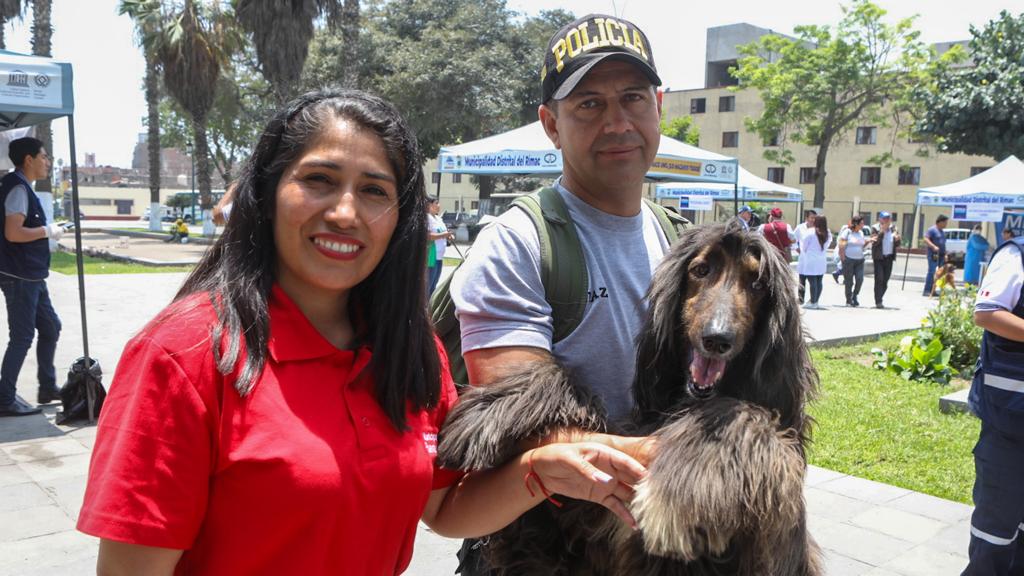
[[676, 166]]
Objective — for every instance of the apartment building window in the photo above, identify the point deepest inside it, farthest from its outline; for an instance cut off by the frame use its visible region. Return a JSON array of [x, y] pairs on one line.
[[435, 177], [910, 175], [866, 134], [975, 170], [776, 174], [456, 178], [808, 175], [773, 140], [697, 105], [730, 139], [726, 103], [474, 205], [870, 175]]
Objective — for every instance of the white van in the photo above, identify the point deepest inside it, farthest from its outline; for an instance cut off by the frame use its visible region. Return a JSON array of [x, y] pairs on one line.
[[956, 244]]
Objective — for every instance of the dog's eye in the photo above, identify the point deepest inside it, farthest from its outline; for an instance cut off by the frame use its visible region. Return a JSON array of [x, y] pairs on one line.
[[701, 270], [758, 285]]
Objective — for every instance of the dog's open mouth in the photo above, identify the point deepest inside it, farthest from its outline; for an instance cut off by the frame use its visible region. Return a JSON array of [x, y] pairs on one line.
[[705, 372]]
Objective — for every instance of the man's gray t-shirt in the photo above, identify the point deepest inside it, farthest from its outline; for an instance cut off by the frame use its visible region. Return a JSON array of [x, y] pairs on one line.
[[499, 295]]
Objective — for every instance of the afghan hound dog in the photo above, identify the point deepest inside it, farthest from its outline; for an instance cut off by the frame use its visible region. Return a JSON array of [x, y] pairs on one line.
[[722, 376]]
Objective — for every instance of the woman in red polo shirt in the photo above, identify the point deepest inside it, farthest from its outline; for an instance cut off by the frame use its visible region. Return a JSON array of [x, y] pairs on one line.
[[281, 415]]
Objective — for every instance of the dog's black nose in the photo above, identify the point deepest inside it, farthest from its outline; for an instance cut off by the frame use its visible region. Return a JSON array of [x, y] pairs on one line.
[[717, 342]]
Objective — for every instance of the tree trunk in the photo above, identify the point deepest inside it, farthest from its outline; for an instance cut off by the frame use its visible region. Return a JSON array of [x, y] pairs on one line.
[[819, 177], [350, 44], [42, 32], [153, 138], [202, 152]]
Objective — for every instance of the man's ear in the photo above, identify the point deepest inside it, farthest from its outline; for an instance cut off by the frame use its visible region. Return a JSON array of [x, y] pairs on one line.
[[549, 120]]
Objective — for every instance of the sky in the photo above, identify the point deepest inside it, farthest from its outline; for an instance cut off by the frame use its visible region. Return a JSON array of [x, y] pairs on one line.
[[108, 66]]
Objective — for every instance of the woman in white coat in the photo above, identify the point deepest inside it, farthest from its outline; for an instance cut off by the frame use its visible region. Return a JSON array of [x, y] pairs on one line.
[[813, 260]]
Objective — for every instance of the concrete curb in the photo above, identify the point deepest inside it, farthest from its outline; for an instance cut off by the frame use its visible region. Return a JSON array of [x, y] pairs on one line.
[[151, 235], [105, 255], [851, 340]]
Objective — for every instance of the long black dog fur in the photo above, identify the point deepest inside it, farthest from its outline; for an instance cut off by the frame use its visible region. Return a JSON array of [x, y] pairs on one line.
[[724, 494]]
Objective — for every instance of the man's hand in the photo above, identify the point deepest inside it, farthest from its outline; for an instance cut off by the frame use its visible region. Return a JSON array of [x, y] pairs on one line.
[[55, 231]]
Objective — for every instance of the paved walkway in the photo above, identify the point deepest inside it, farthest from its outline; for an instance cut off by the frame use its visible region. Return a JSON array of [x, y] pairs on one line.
[[864, 527]]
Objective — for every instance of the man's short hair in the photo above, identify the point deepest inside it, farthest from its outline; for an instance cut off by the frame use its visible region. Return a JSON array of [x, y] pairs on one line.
[[27, 146], [431, 199], [941, 218], [810, 212]]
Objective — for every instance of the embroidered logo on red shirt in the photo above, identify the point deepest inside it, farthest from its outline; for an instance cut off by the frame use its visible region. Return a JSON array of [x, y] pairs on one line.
[[430, 443]]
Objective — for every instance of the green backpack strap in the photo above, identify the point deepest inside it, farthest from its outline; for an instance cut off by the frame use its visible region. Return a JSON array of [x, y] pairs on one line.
[[446, 326], [671, 222], [563, 268]]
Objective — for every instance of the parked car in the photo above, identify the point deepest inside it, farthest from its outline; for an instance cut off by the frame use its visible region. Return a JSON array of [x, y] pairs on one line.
[[956, 244]]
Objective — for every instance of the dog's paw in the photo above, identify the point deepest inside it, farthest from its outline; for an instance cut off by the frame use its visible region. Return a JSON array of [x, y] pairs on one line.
[[721, 468]]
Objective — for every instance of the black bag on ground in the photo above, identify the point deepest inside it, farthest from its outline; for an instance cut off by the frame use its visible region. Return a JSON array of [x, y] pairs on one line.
[[82, 395]]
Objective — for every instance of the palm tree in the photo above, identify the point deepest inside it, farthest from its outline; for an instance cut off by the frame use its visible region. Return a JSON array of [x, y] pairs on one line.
[[350, 43], [281, 31], [9, 10], [193, 46], [147, 15], [42, 34]]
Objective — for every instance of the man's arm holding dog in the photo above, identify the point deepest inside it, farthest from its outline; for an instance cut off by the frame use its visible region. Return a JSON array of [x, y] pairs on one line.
[[489, 365]]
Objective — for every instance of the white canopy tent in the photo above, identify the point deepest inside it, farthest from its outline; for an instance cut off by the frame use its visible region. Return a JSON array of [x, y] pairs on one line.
[[527, 150], [34, 89], [981, 197]]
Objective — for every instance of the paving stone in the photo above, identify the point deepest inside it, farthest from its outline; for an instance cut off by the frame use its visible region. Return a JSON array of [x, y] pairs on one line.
[[931, 507], [71, 551], [953, 540], [24, 495], [12, 474], [899, 524], [831, 505], [5, 459], [29, 522], [816, 475], [861, 489], [880, 572], [27, 428], [67, 492], [838, 565], [861, 544], [434, 555], [54, 448], [54, 468], [924, 561]]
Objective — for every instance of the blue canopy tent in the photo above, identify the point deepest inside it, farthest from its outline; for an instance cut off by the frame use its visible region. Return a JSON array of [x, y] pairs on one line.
[[33, 90]]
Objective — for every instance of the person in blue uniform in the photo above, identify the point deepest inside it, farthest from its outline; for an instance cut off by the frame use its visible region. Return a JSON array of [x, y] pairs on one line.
[[997, 398]]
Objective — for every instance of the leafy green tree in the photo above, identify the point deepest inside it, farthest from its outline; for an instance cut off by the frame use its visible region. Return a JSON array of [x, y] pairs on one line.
[[819, 85], [977, 110], [241, 106], [681, 128]]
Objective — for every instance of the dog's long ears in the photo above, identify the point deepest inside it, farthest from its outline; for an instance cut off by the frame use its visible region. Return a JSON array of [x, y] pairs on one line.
[[660, 366], [486, 427], [786, 376]]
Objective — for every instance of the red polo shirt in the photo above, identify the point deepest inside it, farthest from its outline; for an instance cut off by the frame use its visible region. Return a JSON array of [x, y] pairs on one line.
[[305, 475]]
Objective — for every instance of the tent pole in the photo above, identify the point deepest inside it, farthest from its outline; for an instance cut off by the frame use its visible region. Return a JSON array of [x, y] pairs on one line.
[[910, 243], [736, 197], [78, 243]]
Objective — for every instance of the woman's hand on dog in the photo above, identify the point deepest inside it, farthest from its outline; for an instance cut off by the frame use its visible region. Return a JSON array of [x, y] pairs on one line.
[[588, 471]]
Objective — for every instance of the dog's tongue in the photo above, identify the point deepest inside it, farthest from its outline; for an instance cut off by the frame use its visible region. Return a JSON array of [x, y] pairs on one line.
[[705, 371]]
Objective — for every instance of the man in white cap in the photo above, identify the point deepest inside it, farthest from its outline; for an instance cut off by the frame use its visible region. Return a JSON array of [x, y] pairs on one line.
[[885, 239]]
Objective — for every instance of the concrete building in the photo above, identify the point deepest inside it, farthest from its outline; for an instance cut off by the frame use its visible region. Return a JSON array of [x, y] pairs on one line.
[[853, 185]]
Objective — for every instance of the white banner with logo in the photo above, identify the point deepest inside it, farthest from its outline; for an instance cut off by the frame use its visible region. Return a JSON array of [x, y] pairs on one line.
[[978, 212], [510, 161], [27, 81], [696, 203]]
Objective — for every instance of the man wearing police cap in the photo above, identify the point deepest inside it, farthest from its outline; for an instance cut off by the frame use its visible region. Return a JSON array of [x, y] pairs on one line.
[[600, 108], [997, 398]]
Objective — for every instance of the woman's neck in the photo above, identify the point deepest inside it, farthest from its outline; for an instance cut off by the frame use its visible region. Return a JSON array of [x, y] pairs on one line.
[[327, 311]]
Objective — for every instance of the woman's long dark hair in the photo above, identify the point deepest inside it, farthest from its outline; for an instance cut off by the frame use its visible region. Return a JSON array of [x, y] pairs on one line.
[[389, 306], [821, 229]]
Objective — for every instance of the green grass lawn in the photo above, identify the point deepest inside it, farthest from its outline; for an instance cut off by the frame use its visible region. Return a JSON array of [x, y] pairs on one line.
[[64, 263], [875, 425]]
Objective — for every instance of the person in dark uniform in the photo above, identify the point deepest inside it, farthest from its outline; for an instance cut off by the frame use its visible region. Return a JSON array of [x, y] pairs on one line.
[[997, 398], [24, 266]]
